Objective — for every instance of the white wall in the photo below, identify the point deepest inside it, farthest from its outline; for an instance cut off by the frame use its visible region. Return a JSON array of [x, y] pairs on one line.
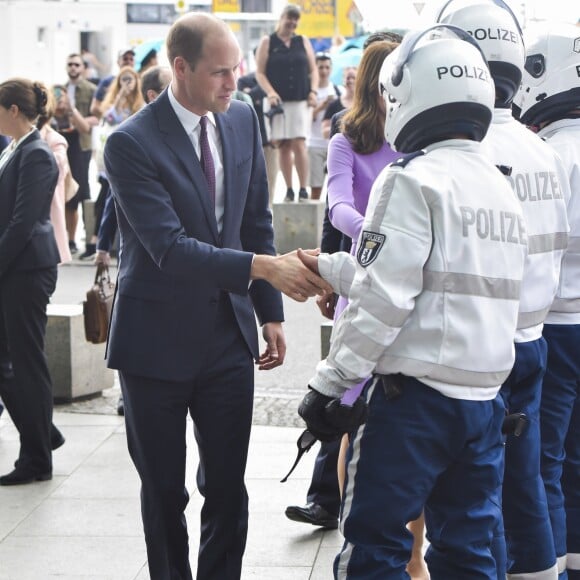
[[28, 53]]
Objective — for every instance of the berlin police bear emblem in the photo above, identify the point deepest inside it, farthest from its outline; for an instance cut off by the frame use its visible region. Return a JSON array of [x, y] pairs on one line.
[[369, 248]]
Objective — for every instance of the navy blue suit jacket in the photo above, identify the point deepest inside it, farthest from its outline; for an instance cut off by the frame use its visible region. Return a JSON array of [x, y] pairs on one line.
[[173, 263], [27, 183]]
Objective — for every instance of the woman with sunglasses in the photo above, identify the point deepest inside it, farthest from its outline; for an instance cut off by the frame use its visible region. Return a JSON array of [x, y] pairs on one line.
[[28, 269]]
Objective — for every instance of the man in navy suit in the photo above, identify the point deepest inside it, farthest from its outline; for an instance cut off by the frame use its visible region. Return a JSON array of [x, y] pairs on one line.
[[194, 267]]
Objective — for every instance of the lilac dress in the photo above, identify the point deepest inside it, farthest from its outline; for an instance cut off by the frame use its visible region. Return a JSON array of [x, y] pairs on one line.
[[350, 179]]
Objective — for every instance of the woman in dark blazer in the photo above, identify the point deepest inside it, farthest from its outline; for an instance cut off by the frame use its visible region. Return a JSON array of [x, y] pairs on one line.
[[28, 269]]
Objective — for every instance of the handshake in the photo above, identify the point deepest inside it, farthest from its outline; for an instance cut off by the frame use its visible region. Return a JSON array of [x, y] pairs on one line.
[[295, 274]]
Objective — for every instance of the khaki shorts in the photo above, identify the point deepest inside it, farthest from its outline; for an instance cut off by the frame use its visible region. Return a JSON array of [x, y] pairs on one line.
[[293, 123], [317, 165]]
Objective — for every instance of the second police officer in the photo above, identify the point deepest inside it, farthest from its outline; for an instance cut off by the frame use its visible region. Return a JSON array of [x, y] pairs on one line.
[[550, 101], [538, 178]]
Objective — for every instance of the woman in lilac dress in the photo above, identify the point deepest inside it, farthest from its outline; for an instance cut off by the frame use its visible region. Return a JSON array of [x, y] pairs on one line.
[[359, 152], [356, 156]]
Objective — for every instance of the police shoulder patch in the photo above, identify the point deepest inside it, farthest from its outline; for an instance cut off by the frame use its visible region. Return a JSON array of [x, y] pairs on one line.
[[369, 248], [405, 159]]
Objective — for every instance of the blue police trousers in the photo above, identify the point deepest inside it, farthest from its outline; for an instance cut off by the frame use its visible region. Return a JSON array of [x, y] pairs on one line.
[[560, 433], [419, 450]]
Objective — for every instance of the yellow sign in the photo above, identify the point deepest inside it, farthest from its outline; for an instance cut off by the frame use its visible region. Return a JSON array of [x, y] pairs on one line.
[[226, 6], [325, 18]]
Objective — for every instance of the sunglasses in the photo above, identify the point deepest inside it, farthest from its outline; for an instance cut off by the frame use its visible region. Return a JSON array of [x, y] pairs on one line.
[[304, 444], [126, 79], [77, 64]]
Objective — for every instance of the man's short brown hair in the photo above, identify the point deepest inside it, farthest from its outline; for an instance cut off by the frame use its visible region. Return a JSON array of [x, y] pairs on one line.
[[187, 34]]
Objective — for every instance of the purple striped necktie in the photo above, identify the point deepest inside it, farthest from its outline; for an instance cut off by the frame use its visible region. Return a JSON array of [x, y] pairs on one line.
[[207, 159]]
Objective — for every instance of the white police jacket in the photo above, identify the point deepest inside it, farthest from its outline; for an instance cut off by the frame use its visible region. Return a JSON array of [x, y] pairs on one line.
[[539, 181], [436, 278], [564, 137]]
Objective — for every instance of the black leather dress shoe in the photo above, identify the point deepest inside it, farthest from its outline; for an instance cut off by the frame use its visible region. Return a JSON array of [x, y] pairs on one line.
[[56, 439], [21, 476], [312, 513]]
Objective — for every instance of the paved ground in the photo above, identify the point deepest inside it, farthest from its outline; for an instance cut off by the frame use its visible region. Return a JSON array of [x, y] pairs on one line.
[[85, 523]]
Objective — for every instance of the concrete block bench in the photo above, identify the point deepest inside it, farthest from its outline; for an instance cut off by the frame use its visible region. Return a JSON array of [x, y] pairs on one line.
[[77, 367], [297, 225]]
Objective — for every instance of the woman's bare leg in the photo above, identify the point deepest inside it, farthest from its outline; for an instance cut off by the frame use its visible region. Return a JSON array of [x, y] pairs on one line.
[[341, 466], [416, 568]]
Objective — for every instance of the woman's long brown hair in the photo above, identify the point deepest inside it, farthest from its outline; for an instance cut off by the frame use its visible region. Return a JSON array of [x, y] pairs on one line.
[[364, 123]]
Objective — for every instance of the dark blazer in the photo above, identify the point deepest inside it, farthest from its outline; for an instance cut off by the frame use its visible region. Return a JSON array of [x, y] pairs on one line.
[[173, 263], [27, 183]]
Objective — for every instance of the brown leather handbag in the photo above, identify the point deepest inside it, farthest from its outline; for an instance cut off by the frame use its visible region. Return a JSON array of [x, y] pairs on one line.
[[98, 305]]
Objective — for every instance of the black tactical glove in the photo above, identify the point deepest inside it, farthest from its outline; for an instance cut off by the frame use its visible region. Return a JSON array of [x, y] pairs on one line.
[[327, 419], [514, 424]]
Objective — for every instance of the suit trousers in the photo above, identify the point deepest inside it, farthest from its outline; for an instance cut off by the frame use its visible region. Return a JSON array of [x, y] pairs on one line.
[[25, 385], [219, 400], [323, 488]]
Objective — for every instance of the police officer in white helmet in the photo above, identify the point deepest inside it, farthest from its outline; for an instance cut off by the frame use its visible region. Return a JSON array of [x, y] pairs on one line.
[[433, 294], [549, 100], [538, 178]]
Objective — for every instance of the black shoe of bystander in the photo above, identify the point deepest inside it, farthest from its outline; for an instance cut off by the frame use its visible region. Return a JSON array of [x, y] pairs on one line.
[[89, 253], [312, 513], [20, 476], [121, 407]]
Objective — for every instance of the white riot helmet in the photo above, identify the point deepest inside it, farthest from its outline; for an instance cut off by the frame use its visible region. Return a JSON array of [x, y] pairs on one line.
[[436, 84], [497, 31], [551, 82]]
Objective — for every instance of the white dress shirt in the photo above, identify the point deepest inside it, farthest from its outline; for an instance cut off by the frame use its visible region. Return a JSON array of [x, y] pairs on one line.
[[11, 147], [190, 123]]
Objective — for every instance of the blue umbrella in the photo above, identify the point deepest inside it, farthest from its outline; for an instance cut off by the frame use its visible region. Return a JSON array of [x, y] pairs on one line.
[[143, 49], [346, 57]]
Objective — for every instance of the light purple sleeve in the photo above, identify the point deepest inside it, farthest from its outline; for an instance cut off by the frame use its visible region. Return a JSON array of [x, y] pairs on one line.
[[341, 210], [341, 204], [352, 394]]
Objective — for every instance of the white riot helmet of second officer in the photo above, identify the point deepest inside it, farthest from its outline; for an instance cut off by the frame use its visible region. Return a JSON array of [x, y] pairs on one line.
[[497, 31], [436, 85], [551, 83]]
